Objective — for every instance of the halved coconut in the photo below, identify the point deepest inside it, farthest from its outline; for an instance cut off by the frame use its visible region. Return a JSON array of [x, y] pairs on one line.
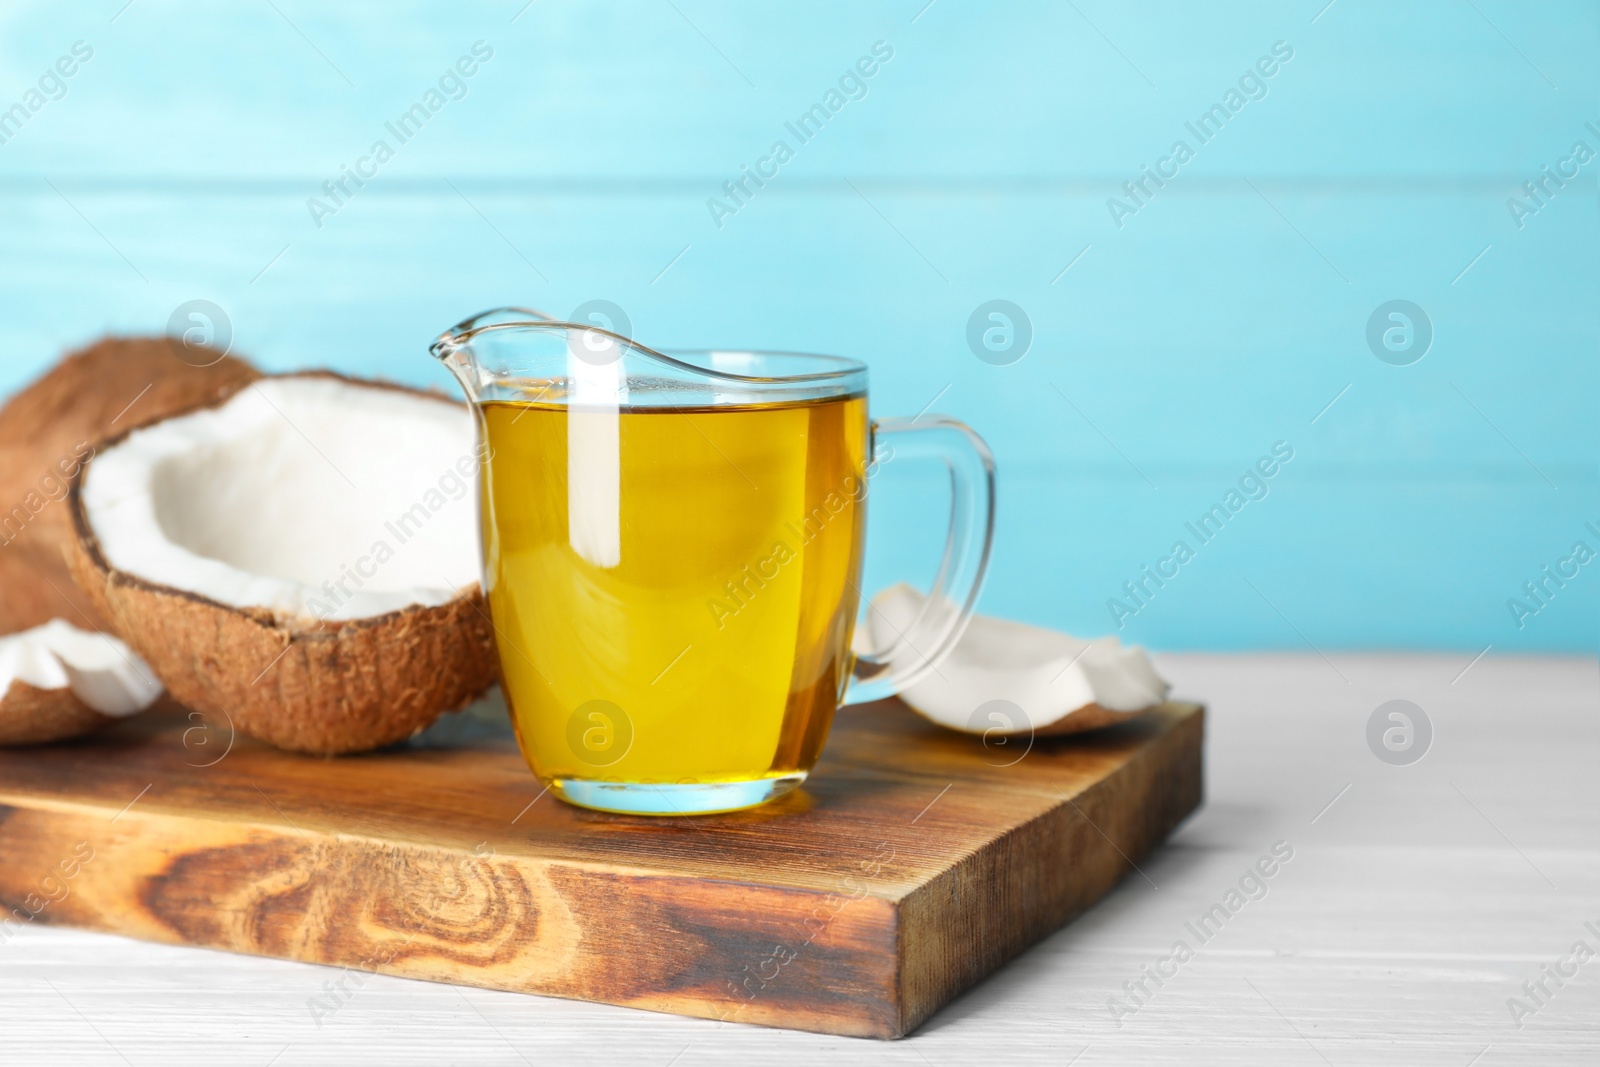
[[302, 556], [1005, 677], [57, 681]]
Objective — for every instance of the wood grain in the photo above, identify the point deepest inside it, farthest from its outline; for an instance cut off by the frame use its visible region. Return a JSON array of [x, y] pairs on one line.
[[910, 866]]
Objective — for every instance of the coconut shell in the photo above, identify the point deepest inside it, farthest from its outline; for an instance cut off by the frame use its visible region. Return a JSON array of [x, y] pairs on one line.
[[320, 687], [31, 716], [35, 587], [51, 425]]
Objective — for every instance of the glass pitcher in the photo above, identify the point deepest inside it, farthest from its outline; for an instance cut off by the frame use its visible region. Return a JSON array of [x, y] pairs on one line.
[[672, 551]]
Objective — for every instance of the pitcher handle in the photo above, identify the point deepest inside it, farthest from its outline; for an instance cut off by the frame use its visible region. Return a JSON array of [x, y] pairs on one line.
[[917, 649]]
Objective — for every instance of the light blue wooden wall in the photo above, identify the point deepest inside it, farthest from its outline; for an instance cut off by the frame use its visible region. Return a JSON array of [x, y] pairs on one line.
[[1221, 318]]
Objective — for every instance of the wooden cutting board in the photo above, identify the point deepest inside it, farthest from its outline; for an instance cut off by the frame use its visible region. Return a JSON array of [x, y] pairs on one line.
[[913, 863]]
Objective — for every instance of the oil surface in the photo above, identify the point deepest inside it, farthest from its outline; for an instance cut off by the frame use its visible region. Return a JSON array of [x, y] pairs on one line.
[[674, 590]]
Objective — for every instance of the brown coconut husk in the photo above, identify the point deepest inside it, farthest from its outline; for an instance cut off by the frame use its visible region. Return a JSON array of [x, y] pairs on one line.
[[35, 587], [49, 426], [33, 716], [326, 688]]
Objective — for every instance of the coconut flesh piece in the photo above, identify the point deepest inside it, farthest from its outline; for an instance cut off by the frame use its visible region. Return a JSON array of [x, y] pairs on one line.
[[100, 670], [1057, 683], [57, 681], [312, 498]]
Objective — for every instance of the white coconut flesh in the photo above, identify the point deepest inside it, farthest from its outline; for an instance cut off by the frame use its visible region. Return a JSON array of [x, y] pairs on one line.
[[1046, 674], [311, 497], [101, 671]]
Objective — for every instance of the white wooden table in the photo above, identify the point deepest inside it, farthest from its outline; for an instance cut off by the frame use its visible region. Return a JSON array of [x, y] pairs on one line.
[[1418, 900]]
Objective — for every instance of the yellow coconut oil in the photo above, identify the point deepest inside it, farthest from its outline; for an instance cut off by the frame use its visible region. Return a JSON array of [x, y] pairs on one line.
[[673, 589]]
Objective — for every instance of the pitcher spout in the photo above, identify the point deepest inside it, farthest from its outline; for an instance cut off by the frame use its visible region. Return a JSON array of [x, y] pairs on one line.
[[454, 346]]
